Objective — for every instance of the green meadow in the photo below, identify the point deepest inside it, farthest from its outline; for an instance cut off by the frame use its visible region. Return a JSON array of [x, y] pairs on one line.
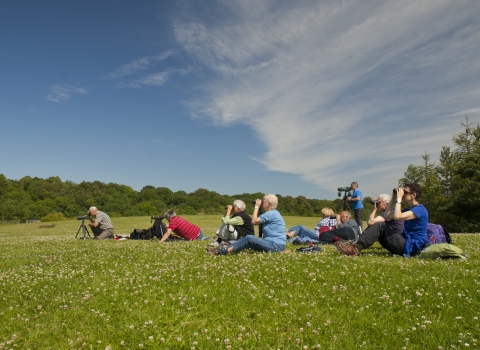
[[58, 292]]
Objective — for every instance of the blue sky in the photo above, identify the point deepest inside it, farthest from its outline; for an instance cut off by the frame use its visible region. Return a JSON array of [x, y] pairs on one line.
[[289, 97]]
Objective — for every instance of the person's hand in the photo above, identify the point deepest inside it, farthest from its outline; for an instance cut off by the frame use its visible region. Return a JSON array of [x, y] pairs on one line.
[[349, 199], [258, 203], [374, 205], [400, 193], [229, 207], [394, 194]]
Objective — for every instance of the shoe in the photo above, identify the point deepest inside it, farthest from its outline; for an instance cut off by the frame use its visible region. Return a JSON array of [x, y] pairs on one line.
[[213, 244], [311, 249], [347, 248], [213, 251]]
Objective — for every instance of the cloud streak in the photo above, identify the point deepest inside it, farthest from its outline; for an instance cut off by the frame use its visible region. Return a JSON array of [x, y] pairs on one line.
[[62, 93], [137, 65], [130, 74], [341, 91]]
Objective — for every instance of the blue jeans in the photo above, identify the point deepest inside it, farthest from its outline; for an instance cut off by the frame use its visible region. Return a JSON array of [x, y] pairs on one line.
[[200, 236], [303, 231], [257, 244]]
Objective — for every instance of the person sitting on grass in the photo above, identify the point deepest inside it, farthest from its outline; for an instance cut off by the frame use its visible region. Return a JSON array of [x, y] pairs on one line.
[[328, 222], [414, 235], [235, 226], [273, 226], [347, 221], [380, 204], [347, 230], [181, 227]]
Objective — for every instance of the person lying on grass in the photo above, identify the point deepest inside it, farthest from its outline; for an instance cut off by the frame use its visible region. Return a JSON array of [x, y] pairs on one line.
[[414, 235], [181, 227], [273, 226]]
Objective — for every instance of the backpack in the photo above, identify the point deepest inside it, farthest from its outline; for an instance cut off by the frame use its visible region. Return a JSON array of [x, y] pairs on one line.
[[437, 234], [157, 230], [442, 251]]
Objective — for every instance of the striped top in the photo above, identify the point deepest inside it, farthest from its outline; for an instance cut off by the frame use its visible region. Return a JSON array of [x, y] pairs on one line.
[[184, 228]]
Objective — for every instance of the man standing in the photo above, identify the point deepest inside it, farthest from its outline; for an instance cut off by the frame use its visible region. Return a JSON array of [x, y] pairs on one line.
[[181, 227], [100, 223], [356, 204]]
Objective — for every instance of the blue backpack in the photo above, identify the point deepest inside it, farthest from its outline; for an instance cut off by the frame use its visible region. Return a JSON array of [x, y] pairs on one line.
[[437, 234]]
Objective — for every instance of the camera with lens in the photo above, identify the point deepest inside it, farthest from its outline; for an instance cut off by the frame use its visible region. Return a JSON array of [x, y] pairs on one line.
[[374, 201], [395, 190], [83, 217], [254, 202], [159, 217]]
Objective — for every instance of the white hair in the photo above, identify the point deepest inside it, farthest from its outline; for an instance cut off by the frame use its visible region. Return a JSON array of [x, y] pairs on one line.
[[386, 198], [92, 209], [239, 204], [272, 199]]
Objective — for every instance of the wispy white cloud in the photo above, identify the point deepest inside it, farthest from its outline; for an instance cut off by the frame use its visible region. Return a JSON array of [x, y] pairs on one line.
[[153, 79], [341, 91], [131, 77], [62, 93], [137, 65]]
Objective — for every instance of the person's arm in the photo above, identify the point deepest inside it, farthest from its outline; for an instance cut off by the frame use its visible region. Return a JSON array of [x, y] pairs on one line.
[[237, 220], [398, 215], [372, 219], [93, 223], [255, 219], [165, 236], [354, 199]]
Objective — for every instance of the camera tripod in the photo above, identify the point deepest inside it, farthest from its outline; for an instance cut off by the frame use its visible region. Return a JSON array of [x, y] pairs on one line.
[[84, 231]]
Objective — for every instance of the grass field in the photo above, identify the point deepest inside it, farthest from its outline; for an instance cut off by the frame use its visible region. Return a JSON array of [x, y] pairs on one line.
[[57, 292]]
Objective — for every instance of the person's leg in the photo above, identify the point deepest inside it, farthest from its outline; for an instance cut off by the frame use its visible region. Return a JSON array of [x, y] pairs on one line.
[[96, 231], [255, 243], [106, 234], [391, 241], [292, 232], [358, 214], [302, 230], [346, 233], [327, 237], [200, 236], [371, 235]]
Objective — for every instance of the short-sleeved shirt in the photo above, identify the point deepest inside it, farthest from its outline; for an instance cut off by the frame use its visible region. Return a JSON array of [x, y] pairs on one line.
[[415, 231], [357, 204], [273, 227], [103, 220], [184, 228], [396, 225]]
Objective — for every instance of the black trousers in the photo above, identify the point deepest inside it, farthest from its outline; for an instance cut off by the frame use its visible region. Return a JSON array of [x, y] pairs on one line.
[[347, 233], [358, 214], [381, 232]]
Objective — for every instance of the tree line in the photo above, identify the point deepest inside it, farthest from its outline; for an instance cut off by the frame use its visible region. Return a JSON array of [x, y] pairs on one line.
[[451, 193], [452, 187], [53, 199]]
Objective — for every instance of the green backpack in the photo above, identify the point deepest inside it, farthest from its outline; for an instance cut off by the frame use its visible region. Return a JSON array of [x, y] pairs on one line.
[[442, 251]]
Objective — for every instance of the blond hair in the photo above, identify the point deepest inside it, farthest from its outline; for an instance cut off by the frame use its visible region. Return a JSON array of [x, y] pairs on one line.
[[327, 212]]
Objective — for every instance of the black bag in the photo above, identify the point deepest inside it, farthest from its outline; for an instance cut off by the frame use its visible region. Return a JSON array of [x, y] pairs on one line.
[[157, 230]]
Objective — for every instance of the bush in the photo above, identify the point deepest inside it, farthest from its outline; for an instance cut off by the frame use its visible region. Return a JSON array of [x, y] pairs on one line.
[[53, 217]]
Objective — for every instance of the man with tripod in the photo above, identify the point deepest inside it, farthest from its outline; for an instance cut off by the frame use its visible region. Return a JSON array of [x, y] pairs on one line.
[[356, 204], [100, 223]]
